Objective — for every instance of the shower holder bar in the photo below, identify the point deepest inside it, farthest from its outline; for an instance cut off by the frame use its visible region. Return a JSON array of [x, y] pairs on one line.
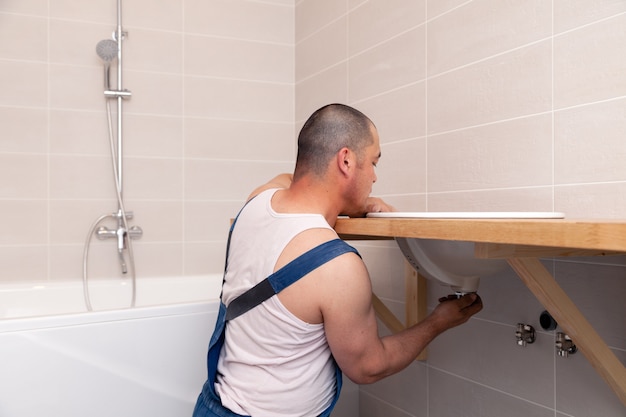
[[125, 94]]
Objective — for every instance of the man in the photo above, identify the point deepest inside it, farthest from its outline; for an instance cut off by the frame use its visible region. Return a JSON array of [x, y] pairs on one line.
[[283, 355]]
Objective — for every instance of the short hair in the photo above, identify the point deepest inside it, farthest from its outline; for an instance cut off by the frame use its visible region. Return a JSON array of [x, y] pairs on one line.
[[328, 130]]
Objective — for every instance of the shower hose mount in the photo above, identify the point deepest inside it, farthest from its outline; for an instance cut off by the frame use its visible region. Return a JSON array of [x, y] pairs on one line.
[[125, 94]]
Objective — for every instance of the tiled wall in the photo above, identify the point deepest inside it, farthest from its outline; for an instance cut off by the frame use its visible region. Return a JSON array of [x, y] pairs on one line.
[[486, 105], [211, 115]]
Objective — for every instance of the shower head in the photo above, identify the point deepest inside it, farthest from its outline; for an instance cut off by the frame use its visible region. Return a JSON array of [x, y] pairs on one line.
[[107, 50]]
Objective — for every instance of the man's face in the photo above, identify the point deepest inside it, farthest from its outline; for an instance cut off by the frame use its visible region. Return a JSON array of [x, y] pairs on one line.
[[365, 176]]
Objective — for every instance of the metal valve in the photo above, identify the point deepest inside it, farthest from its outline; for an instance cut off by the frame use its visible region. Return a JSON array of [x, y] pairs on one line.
[[103, 232], [525, 334], [564, 345]]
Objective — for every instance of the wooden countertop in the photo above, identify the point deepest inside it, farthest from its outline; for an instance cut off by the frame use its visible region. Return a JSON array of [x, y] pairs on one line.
[[609, 235]]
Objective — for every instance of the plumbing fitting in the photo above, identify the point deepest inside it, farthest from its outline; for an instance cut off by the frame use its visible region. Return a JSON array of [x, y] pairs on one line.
[[525, 334], [134, 232], [121, 234], [564, 345], [547, 321]]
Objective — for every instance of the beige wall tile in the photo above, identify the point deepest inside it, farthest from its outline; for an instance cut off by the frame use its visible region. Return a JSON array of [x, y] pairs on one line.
[[146, 252], [153, 50], [23, 83], [204, 258], [23, 264], [81, 177], [239, 139], [23, 222], [71, 220], [23, 176], [511, 85], [476, 399], [100, 12], [480, 29], [260, 21], [523, 373], [77, 87], [399, 114], [69, 49], [589, 63], [586, 394], [437, 7], [409, 202], [407, 391], [35, 7], [330, 86], [24, 130], [153, 178], [161, 220], [516, 153], [313, 15], [402, 170], [392, 64], [66, 262], [205, 220], [239, 59], [376, 21], [325, 48], [154, 93], [589, 143], [79, 132], [510, 199], [236, 100], [204, 179], [147, 135], [597, 201], [30, 30], [595, 298], [162, 16], [569, 14]]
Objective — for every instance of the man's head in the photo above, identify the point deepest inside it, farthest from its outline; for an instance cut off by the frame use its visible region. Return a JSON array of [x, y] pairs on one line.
[[326, 132], [338, 149]]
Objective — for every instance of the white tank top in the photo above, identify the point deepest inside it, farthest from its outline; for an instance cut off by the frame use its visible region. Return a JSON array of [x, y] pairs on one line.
[[272, 364]]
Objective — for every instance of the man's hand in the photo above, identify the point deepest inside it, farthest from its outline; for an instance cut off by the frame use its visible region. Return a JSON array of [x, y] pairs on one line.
[[376, 205], [453, 311]]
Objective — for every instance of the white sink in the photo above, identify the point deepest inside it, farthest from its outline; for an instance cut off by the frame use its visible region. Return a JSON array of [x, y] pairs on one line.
[[452, 263], [469, 215]]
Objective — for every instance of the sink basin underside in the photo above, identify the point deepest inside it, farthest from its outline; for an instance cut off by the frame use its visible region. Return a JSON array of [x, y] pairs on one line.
[[452, 263]]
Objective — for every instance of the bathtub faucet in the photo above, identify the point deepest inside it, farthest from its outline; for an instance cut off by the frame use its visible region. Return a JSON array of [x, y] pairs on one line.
[[121, 234]]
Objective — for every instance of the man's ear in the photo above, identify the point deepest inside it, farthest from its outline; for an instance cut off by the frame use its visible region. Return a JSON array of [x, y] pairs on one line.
[[345, 161]]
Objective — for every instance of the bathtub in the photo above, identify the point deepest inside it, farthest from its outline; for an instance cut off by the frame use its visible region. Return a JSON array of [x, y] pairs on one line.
[[57, 359]]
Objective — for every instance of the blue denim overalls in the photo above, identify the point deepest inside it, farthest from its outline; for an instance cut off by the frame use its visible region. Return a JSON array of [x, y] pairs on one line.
[[209, 404]]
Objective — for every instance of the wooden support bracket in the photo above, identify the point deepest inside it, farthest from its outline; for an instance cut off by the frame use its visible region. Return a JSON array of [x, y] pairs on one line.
[[415, 305]]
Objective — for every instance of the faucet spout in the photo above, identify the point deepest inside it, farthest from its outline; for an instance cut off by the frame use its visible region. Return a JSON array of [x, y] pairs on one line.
[[121, 245], [123, 262]]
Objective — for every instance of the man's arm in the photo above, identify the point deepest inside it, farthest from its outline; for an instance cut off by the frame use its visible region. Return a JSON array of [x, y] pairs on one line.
[[352, 331]]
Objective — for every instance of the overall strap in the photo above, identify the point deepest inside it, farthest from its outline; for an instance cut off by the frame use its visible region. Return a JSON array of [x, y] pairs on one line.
[[287, 275]]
